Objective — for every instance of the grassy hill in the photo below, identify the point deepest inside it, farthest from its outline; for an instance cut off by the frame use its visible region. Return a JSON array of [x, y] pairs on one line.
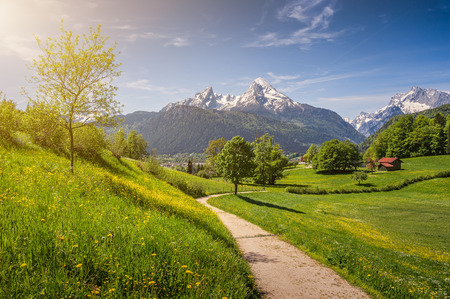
[[109, 230], [394, 244]]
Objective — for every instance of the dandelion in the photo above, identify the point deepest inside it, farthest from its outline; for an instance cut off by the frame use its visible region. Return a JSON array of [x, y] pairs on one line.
[[184, 266], [109, 235], [154, 254], [43, 220], [189, 272], [78, 266], [23, 265]]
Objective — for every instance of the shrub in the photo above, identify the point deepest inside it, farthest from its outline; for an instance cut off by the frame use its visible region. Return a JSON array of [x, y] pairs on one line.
[[89, 141], [9, 118]]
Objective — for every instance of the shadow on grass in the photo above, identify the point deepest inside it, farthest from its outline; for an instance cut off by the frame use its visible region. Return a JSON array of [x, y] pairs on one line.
[[269, 205], [367, 185]]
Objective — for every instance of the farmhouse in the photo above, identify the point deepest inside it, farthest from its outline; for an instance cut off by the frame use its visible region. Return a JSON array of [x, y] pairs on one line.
[[388, 164]]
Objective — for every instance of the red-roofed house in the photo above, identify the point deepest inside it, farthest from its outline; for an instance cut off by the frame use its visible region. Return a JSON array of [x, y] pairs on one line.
[[388, 164]]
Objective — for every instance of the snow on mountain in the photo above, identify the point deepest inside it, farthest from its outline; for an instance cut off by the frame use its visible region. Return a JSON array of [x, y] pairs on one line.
[[260, 97], [415, 100], [206, 99]]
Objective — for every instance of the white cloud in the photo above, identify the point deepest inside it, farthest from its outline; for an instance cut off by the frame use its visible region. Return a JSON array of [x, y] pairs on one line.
[[25, 48], [314, 16], [168, 40], [178, 42], [144, 84], [280, 78]]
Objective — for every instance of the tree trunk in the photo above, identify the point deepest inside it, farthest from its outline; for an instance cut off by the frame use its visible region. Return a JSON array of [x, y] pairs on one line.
[[71, 149], [235, 189]]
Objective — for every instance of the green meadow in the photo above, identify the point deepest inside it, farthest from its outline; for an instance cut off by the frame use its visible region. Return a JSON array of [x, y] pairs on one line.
[[108, 230], [394, 244], [411, 168]]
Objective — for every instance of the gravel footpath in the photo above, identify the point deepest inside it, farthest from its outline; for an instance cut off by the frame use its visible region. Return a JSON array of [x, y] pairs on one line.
[[280, 269]]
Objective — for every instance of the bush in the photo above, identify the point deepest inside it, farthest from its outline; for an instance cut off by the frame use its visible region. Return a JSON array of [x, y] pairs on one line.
[[43, 127], [9, 118], [89, 141]]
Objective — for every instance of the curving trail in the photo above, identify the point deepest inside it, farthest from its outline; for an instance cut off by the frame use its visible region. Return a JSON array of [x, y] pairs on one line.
[[280, 269]]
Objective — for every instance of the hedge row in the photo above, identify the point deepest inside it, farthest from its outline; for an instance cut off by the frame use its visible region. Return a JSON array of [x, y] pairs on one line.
[[394, 186]]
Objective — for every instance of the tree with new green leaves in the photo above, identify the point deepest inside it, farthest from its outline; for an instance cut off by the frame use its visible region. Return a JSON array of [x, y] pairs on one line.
[[214, 148], [235, 161], [136, 147], [9, 117], [74, 77], [118, 143], [311, 153], [359, 176], [336, 155], [269, 160]]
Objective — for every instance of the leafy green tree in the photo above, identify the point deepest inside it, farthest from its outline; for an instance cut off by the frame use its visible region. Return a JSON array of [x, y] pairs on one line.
[[336, 155], [214, 148], [359, 176], [118, 143], [9, 117], [235, 161], [269, 160], [311, 153], [136, 147], [73, 76]]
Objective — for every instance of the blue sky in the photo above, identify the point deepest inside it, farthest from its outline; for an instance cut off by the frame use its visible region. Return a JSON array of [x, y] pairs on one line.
[[345, 55]]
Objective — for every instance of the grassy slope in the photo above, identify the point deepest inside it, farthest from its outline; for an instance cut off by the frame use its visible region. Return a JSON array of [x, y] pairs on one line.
[[214, 185], [111, 231], [395, 244]]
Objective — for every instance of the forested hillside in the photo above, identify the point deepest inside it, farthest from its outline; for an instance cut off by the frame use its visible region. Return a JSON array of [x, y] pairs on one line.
[[430, 113], [189, 129]]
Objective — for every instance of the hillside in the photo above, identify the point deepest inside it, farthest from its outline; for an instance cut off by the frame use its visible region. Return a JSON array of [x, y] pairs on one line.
[[189, 129], [109, 230], [430, 113]]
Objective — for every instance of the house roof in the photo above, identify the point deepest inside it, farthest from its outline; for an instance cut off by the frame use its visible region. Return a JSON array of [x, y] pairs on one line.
[[385, 164], [389, 160]]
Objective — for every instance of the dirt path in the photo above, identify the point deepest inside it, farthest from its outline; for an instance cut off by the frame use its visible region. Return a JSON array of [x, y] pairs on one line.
[[280, 269]]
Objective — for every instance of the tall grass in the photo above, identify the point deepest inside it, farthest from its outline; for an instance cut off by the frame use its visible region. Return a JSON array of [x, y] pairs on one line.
[[109, 230]]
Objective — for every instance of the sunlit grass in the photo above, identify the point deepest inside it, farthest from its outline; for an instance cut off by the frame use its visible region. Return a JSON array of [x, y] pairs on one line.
[[395, 244], [411, 168], [108, 231]]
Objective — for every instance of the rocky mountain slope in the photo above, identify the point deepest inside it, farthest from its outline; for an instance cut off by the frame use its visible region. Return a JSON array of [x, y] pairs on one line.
[[415, 100], [188, 125]]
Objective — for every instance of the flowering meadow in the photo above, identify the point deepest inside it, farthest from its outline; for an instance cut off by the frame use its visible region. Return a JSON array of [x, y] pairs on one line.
[[108, 230], [394, 244]]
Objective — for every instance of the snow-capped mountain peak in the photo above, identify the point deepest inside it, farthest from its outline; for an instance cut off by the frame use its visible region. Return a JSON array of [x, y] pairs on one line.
[[416, 100], [259, 97]]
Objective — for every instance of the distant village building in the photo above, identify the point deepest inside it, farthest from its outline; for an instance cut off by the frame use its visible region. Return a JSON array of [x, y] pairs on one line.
[[388, 164]]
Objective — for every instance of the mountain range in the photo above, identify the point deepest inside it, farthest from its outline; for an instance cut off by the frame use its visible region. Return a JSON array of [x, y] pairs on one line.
[[415, 100], [188, 125]]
